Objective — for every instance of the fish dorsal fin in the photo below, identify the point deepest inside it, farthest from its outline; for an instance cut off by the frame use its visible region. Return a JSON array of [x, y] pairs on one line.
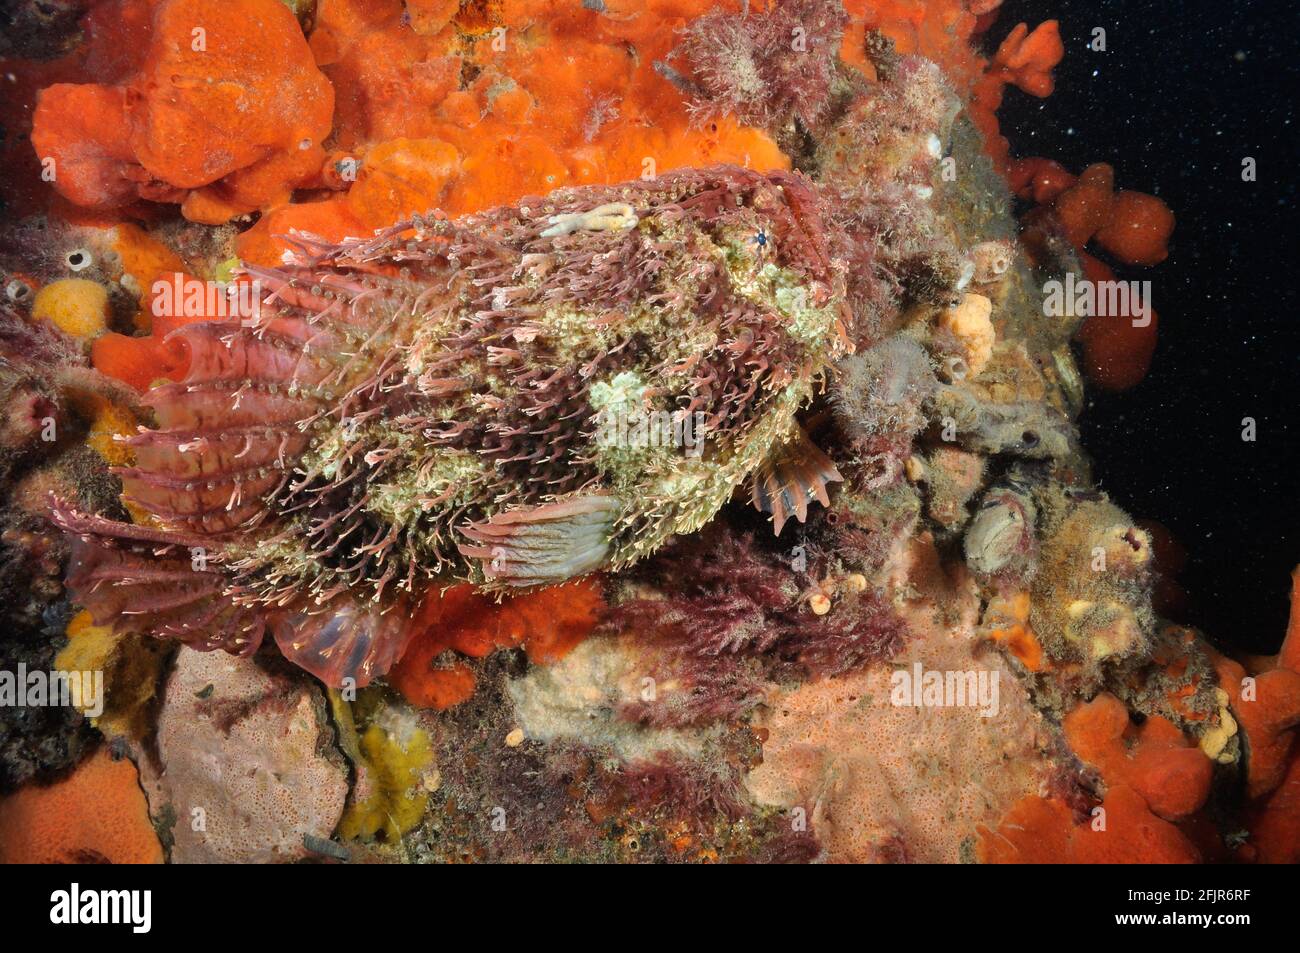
[[793, 473], [230, 431], [543, 545]]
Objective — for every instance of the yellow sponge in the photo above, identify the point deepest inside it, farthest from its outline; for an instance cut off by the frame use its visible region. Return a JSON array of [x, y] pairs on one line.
[[75, 306]]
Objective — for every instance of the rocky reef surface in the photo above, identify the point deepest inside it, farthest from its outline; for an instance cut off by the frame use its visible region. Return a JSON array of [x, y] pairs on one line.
[[880, 612]]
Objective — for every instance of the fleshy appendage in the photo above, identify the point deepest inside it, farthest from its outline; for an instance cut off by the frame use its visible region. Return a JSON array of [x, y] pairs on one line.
[[228, 434]]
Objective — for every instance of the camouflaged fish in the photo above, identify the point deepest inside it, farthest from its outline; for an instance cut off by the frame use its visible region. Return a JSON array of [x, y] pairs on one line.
[[468, 400]]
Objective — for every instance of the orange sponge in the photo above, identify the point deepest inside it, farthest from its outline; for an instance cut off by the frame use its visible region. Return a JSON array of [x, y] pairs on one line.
[[1026, 59], [227, 99], [80, 135], [1116, 352], [96, 815], [547, 624], [1085, 206], [1138, 230], [1156, 760]]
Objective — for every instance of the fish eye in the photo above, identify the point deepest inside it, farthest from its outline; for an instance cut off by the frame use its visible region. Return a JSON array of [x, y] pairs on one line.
[[18, 290], [79, 259]]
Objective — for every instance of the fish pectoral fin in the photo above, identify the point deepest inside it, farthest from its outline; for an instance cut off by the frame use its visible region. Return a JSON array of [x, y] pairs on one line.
[[543, 545], [345, 639], [792, 474]]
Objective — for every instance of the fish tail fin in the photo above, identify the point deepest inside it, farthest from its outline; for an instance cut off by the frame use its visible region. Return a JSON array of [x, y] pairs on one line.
[[160, 582], [346, 641]]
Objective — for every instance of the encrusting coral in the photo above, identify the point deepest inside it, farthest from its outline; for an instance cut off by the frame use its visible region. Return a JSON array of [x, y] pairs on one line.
[[461, 624], [882, 781], [248, 765]]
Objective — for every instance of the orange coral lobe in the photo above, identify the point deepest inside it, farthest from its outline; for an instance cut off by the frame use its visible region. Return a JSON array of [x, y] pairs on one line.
[[241, 90], [1121, 831], [140, 361], [227, 96], [1173, 781], [1289, 656], [1268, 719], [1085, 206], [1131, 835], [1156, 760], [1275, 822], [1117, 348], [82, 131], [1040, 179], [401, 177], [1026, 59], [1035, 831], [1153, 776], [136, 361]]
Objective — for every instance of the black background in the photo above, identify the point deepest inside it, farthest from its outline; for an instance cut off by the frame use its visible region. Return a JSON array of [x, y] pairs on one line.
[[1185, 90], [321, 907]]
